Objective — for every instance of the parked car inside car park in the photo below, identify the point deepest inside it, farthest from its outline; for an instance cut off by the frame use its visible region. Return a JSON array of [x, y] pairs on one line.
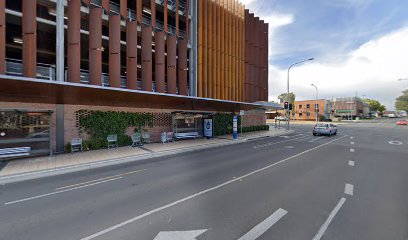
[[402, 122], [324, 129]]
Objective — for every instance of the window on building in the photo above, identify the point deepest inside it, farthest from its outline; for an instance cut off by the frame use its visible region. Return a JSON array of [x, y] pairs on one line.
[[307, 105], [300, 105], [316, 105], [308, 114], [300, 114]]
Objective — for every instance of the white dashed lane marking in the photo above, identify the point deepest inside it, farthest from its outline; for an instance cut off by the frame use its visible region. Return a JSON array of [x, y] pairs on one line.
[[348, 189], [351, 163], [352, 150]]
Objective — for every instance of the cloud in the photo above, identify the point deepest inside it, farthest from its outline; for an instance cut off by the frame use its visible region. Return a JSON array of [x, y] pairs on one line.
[[372, 70]]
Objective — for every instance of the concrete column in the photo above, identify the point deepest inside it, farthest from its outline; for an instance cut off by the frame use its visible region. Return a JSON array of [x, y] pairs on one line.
[[60, 41], [87, 2], [153, 10], [177, 17], [95, 45], [29, 27], [182, 67], [114, 50], [105, 5], [160, 61], [187, 20], [60, 141], [74, 41], [123, 9], [193, 58], [2, 37], [131, 55], [171, 65], [139, 10], [165, 21], [147, 59]]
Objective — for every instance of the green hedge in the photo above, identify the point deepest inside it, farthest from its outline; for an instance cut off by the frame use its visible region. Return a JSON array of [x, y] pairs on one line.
[[223, 125], [255, 128], [99, 125]]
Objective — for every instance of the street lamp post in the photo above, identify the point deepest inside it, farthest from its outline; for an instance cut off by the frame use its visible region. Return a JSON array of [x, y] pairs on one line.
[[287, 95], [316, 107]]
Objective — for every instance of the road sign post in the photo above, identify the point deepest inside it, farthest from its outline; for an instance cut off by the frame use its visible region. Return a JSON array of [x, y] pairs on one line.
[[235, 127], [242, 113]]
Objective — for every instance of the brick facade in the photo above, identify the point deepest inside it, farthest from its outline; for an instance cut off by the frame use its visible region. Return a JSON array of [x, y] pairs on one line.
[[161, 120], [255, 117], [305, 110]]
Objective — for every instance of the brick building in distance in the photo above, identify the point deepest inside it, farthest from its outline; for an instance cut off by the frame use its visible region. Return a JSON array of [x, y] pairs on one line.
[[178, 61], [306, 109]]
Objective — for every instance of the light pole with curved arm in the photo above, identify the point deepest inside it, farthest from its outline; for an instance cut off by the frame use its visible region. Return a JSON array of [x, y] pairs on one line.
[[316, 107], [287, 95]]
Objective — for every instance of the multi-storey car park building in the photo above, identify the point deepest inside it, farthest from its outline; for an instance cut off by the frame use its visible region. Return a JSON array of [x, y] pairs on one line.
[[173, 59]]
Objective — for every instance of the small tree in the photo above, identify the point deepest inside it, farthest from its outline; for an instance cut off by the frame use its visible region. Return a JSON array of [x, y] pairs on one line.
[[401, 102], [282, 97], [375, 105]]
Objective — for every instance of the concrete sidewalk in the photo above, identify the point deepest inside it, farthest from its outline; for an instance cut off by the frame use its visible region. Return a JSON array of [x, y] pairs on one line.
[[31, 168]]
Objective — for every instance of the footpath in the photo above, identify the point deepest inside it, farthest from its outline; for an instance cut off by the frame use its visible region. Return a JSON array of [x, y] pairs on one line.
[[31, 168]]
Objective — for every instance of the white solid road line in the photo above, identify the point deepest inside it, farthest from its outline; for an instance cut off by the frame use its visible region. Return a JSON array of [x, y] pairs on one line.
[[101, 179], [119, 225], [261, 228], [348, 189], [314, 139], [352, 150], [179, 235], [326, 224], [61, 191], [351, 163], [274, 143]]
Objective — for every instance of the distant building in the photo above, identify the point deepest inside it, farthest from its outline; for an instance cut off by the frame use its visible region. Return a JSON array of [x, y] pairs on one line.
[[350, 108], [306, 110]]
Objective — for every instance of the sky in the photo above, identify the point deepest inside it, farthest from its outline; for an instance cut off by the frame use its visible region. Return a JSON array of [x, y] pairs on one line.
[[360, 47]]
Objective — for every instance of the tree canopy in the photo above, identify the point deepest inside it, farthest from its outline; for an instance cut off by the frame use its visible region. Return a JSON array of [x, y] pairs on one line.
[[401, 103], [282, 97], [375, 105]]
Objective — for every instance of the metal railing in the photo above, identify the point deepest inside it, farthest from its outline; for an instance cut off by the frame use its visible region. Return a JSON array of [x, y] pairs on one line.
[[14, 67]]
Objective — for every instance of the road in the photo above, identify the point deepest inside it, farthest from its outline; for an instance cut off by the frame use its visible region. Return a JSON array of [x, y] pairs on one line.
[[349, 186]]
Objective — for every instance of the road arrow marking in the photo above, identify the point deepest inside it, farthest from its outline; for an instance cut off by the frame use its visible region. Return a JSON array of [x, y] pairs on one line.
[[179, 235], [261, 228]]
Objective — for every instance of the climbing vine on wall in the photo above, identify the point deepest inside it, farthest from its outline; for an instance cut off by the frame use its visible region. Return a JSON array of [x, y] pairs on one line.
[[223, 123], [99, 125]]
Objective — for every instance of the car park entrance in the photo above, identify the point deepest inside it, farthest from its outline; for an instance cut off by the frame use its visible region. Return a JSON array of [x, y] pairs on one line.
[[24, 133]]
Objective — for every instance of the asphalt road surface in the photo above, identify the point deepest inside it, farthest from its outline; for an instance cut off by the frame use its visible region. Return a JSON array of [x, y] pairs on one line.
[[349, 186]]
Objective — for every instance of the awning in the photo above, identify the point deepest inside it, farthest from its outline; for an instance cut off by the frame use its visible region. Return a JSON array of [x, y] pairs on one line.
[[270, 105], [19, 89]]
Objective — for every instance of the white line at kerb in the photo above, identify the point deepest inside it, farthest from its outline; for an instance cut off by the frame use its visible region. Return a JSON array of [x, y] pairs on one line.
[[119, 225], [262, 227], [348, 189], [326, 224], [61, 191]]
